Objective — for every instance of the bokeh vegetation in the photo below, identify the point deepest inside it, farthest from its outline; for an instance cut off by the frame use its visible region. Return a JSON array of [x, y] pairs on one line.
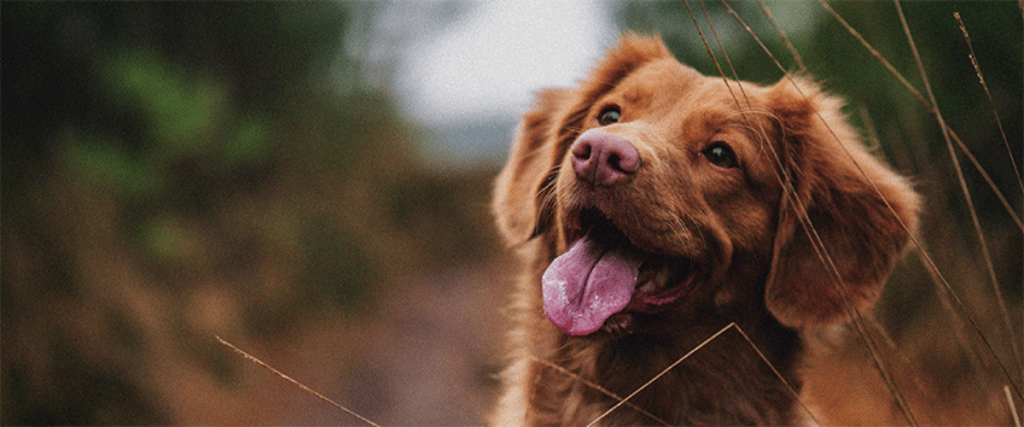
[[175, 170]]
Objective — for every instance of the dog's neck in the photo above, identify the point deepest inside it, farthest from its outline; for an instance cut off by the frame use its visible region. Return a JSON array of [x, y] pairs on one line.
[[725, 382]]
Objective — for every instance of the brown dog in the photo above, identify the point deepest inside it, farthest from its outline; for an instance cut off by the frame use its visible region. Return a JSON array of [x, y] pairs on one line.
[[652, 207]]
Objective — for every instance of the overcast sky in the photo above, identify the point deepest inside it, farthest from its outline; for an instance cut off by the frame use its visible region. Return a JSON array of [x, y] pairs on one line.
[[489, 62]]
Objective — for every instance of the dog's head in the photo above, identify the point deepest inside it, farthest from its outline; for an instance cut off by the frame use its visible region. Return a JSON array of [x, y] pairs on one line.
[[656, 184]]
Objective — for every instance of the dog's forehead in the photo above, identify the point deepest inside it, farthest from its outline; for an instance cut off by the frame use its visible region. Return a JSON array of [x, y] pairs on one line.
[[661, 78], [692, 107], [668, 82]]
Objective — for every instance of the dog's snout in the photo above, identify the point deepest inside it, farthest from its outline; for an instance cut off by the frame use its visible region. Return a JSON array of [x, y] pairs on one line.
[[604, 159]]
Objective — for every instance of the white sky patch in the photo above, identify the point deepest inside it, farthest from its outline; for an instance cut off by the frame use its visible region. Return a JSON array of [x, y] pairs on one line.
[[488, 64]]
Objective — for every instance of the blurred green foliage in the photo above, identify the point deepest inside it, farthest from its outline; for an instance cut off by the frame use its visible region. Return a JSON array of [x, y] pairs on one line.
[[909, 134], [213, 136]]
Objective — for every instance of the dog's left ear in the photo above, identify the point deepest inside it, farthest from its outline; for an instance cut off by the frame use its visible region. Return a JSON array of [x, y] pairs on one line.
[[844, 221], [518, 203]]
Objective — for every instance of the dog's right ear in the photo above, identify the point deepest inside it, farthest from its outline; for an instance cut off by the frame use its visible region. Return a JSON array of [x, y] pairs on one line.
[[846, 220], [518, 203]]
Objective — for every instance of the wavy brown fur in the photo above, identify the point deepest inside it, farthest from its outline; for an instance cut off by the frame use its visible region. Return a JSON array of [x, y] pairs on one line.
[[745, 228]]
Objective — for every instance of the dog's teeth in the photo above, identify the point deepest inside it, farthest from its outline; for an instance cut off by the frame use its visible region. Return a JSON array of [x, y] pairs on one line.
[[662, 278], [655, 282], [647, 287]]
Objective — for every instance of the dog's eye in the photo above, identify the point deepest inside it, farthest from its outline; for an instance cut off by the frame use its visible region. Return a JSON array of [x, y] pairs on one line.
[[720, 155], [608, 116]]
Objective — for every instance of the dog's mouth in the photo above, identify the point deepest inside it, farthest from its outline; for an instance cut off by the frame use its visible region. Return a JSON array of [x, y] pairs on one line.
[[604, 274]]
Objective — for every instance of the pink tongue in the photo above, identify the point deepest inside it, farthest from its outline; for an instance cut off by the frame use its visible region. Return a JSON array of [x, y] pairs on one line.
[[588, 284]]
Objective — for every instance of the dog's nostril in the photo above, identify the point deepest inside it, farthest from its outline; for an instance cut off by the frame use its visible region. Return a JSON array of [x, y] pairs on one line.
[[581, 150], [604, 159], [615, 162]]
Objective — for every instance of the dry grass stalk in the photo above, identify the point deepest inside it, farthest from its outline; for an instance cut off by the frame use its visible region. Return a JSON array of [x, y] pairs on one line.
[[300, 385], [625, 401], [1013, 407]]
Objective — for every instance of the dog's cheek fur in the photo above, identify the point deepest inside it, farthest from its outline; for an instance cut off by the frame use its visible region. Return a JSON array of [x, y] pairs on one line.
[[745, 212], [846, 195]]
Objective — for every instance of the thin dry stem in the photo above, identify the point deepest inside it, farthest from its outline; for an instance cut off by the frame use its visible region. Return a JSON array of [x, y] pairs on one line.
[[597, 387], [859, 322], [687, 355], [777, 374], [999, 123], [917, 94], [1013, 407], [949, 309], [725, 53], [300, 385], [785, 180], [712, 54], [991, 103], [662, 373], [819, 246], [874, 52], [782, 35], [931, 264], [956, 163], [988, 180]]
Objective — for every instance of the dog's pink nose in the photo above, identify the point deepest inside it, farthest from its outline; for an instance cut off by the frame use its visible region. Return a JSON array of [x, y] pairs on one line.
[[604, 159]]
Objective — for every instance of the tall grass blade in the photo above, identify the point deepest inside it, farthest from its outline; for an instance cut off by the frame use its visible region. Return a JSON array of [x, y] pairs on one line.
[[1013, 407], [822, 253], [597, 387], [660, 374], [253, 359], [1013, 161], [782, 35], [956, 163], [917, 94]]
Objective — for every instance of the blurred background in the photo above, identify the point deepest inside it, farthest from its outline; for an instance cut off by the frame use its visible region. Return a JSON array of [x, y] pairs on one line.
[[310, 182]]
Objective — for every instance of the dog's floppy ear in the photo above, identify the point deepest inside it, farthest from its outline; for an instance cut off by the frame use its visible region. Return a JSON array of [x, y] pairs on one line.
[[840, 198], [518, 201], [548, 129]]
